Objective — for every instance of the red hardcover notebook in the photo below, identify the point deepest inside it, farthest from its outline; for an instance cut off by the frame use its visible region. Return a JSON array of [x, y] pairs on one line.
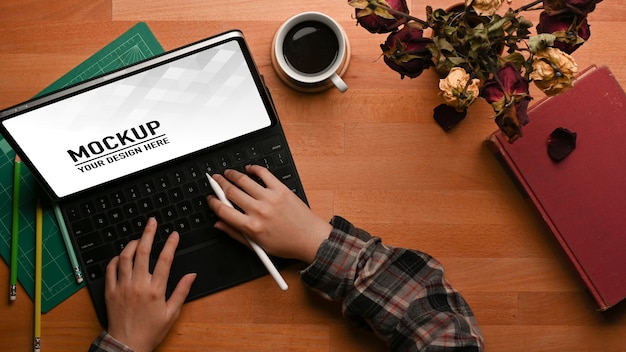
[[582, 198]]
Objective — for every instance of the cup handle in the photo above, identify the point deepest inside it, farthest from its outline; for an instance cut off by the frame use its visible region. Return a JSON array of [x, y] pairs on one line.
[[338, 82]]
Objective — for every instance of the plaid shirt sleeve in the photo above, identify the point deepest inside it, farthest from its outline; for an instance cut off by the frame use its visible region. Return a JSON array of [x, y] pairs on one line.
[[401, 294], [107, 343]]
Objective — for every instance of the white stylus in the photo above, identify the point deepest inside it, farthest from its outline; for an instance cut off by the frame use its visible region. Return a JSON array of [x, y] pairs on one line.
[[257, 249]]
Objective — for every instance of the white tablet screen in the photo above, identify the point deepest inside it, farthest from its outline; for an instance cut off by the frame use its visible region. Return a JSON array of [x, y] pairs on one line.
[[156, 115]]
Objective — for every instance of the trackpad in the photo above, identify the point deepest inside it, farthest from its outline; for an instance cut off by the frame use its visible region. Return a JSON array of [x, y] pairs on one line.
[[218, 266]]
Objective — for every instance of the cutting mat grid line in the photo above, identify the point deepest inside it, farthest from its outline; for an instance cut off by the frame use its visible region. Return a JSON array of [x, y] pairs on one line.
[[130, 51], [137, 44]]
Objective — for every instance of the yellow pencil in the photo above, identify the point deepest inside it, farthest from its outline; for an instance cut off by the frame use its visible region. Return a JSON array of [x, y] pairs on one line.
[[38, 264]]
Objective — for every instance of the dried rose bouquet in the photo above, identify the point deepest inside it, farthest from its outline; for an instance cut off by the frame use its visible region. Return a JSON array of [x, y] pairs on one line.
[[480, 53]]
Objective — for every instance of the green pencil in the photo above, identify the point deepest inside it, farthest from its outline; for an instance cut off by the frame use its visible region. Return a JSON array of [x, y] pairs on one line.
[[78, 274], [15, 227]]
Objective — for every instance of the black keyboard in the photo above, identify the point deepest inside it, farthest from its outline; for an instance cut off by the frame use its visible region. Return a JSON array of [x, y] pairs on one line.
[[103, 225]]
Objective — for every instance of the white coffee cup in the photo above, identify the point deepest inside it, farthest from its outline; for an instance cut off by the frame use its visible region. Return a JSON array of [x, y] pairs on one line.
[[310, 52]]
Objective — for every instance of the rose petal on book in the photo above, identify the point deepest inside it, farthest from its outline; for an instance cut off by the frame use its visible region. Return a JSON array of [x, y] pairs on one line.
[[561, 143]]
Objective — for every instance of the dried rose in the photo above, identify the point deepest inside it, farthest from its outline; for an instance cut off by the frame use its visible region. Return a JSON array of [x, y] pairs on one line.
[[509, 84], [375, 18], [581, 7], [509, 96], [508, 122], [570, 30], [457, 90], [561, 143], [553, 70], [406, 51], [484, 7]]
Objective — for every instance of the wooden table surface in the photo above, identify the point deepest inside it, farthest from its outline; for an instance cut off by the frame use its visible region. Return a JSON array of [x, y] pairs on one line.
[[373, 155]]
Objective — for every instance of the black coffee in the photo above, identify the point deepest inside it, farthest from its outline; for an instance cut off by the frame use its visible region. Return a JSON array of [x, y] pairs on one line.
[[310, 47]]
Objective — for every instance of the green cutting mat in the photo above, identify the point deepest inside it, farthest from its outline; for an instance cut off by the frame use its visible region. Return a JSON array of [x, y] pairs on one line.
[[137, 44]]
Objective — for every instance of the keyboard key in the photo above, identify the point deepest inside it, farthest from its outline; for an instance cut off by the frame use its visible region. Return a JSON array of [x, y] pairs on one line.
[[292, 185], [284, 174], [175, 194], [266, 162], [169, 213], [120, 245], [182, 226], [205, 187], [280, 158], [239, 157], [200, 203], [82, 226], [145, 206], [132, 193], [124, 229], [193, 172], [138, 224], [115, 215], [197, 220], [190, 189], [272, 145], [100, 220], [87, 208], [253, 152], [73, 213], [147, 188], [224, 162], [89, 241], [98, 254], [95, 272], [160, 200], [164, 230], [117, 198], [184, 208], [178, 178], [163, 182], [102, 203], [209, 167], [109, 234], [130, 210]]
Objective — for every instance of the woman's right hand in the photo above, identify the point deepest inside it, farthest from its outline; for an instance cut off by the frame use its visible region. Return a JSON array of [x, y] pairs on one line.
[[272, 216]]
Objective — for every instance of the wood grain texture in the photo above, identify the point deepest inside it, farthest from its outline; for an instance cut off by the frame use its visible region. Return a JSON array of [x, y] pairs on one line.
[[373, 155]]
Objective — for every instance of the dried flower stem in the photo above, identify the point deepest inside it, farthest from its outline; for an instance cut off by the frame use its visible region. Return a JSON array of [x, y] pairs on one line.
[[396, 12], [529, 6]]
